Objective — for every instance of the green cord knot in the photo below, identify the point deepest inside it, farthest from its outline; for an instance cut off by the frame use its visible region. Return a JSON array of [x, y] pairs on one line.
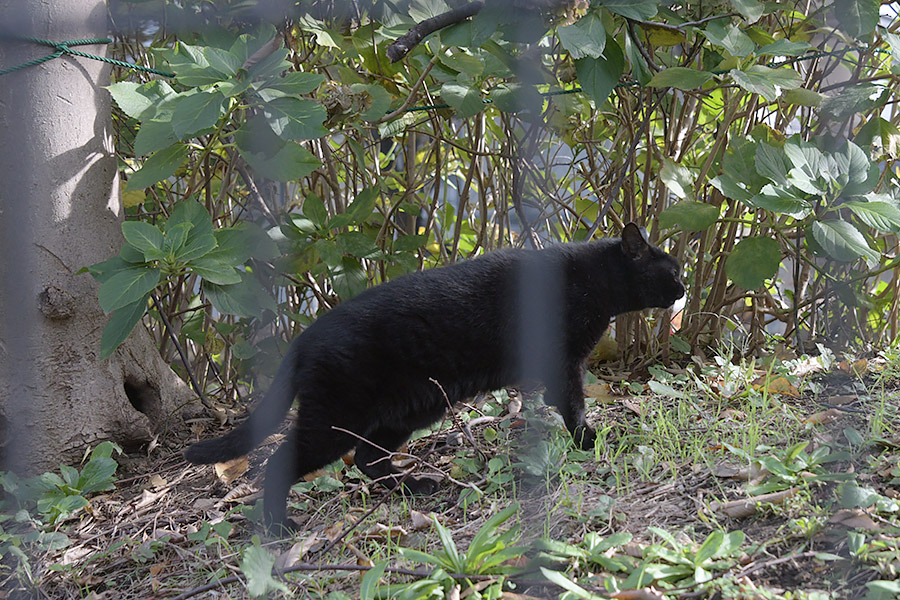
[[65, 48]]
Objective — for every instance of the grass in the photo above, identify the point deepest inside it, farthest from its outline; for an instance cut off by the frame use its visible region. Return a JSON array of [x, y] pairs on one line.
[[730, 479]]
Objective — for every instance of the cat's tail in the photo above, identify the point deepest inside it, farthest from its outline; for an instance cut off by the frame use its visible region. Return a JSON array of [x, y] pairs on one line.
[[264, 419]]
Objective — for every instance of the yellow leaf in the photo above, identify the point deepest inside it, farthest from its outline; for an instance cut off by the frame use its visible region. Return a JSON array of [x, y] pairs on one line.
[[662, 36], [776, 385], [133, 198]]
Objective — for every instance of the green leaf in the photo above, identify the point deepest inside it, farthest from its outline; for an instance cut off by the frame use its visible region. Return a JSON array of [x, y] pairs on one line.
[[731, 188], [772, 163], [842, 241], [598, 76], [222, 61], [358, 244], [512, 98], [408, 243], [256, 565], [295, 118], [857, 17], [751, 10], [882, 216], [271, 66], [781, 201], [709, 548], [857, 164], [689, 216], [191, 67], [139, 100], [349, 278], [292, 85], [677, 178], [363, 205], [120, 324], [564, 582], [636, 10], [784, 47], [883, 133], [195, 112], [465, 100], [200, 239], [97, 475], [752, 261], [271, 156], [381, 100], [766, 82], [314, 210], [154, 135], [370, 580], [126, 287], [803, 97], [244, 299], [680, 78], [215, 271], [161, 165], [729, 36], [145, 237], [585, 38], [175, 238]]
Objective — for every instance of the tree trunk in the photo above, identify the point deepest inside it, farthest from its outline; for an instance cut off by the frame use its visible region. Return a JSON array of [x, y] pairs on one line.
[[60, 210]]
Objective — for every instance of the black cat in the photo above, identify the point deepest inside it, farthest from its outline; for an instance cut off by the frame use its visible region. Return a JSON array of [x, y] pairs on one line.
[[513, 315]]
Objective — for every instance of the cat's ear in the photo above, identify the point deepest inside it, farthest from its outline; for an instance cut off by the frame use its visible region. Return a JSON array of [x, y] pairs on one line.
[[634, 241]]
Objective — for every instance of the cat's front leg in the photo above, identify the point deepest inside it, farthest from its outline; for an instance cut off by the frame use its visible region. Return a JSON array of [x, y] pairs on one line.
[[567, 395]]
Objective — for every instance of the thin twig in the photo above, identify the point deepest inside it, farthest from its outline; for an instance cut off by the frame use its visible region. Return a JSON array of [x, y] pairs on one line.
[[412, 93], [181, 354]]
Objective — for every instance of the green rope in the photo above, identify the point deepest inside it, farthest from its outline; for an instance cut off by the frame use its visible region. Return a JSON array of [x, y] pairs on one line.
[[64, 48]]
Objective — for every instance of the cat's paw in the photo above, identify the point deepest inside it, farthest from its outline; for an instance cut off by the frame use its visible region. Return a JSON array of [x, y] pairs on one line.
[[584, 437], [420, 486]]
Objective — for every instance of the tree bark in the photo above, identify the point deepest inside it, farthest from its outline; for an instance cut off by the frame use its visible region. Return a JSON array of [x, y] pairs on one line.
[[60, 210]]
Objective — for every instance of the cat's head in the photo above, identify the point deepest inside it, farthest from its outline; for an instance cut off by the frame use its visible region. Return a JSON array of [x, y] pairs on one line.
[[655, 276]]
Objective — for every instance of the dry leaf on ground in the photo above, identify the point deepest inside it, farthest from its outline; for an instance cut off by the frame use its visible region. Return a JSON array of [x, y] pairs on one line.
[[230, 470]]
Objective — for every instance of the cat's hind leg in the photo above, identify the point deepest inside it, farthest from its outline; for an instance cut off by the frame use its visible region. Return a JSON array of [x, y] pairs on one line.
[[304, 450]]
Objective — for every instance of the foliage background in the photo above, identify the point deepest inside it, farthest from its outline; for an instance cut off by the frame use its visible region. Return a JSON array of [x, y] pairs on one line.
[[287, 166]]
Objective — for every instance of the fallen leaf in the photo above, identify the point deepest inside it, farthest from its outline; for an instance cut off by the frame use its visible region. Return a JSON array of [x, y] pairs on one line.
[[273, 439], [243, 492], [420, 520], [89, 580], [857, 367], [157, 568], [733, 414], [807, 366], [157, 482], [854, 518], [296, 552], [737, 509], [823, 417], [843, 399], [380, 531], [776, 385], [230, 470], [649, 593], [632, 406], [148, 498], [601, 391]]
